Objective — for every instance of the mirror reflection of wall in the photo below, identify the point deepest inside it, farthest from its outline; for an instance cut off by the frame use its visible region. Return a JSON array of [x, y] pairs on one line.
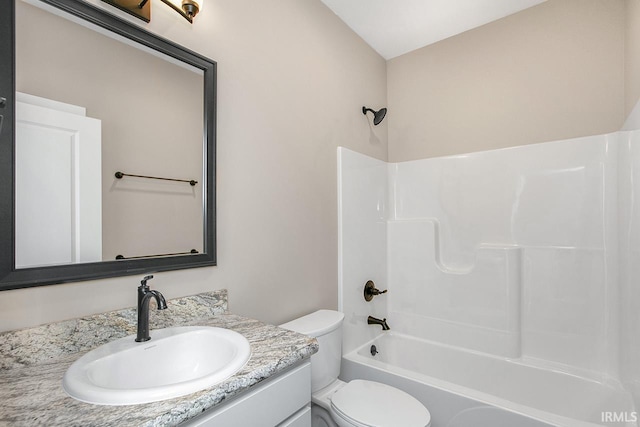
[[152, 121]]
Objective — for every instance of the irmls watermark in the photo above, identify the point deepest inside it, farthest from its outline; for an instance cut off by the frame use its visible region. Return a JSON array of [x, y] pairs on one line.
[[618, 417]]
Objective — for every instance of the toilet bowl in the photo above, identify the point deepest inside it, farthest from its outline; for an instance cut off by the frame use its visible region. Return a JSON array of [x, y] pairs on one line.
[[320, 417], [358, 403]]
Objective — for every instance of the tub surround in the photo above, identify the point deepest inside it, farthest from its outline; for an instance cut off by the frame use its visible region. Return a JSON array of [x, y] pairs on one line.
[[523, 255], [33, 362], [509, 252]]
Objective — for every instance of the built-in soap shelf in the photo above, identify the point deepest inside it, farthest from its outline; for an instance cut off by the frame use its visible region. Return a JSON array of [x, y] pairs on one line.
[[478, 305], [426, 232]]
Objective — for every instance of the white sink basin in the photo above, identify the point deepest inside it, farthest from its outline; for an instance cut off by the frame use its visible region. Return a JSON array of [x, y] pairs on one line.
[[175, 362]]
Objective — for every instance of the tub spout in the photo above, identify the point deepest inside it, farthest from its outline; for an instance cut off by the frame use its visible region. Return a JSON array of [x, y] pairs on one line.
[[374, 321]]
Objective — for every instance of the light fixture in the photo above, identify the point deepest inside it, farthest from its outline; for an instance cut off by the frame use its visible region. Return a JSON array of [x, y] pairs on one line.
[[141, 9], [188, 9], [378, 116]]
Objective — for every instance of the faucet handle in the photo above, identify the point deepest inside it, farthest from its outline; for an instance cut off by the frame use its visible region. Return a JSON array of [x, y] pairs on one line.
[[370, 291], [144, 280]]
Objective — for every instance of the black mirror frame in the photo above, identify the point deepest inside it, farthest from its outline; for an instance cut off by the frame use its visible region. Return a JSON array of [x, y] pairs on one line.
[[12, 278]]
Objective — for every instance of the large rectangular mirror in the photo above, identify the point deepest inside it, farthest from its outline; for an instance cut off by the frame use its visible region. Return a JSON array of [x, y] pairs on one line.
[[107, 147]]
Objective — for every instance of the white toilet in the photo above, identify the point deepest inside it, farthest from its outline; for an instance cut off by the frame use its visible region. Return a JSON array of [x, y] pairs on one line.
[[358, 403]]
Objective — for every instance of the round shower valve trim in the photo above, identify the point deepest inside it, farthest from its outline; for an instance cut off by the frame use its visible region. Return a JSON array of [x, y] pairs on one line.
[[370, 291]]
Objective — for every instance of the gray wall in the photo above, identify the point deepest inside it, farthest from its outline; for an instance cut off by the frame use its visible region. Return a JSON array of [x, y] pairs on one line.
[[551, 72], [292, 79]]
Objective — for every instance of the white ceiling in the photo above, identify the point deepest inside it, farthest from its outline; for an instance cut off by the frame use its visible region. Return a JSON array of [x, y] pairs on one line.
[[395, 27]]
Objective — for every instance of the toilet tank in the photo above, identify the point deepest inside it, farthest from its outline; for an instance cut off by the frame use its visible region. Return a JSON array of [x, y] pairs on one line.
[[326, 327]]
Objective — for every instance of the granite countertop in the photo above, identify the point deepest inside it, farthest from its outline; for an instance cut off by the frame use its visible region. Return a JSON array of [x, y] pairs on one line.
[[33, 362]]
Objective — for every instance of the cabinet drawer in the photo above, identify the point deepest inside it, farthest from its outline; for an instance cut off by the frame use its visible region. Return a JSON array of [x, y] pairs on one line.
[[302, 418]]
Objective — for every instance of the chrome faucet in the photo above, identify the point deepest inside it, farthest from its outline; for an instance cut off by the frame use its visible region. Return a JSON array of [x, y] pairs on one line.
[[144, 296], [374, 321]]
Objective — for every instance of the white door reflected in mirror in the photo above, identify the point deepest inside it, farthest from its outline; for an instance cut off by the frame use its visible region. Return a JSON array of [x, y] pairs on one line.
[[58, 184]]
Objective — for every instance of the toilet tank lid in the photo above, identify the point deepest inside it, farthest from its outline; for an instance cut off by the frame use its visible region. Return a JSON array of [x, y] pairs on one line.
[[316, 324]]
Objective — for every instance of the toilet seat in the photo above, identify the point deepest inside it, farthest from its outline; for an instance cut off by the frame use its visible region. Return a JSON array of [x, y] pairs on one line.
[[363, 403]]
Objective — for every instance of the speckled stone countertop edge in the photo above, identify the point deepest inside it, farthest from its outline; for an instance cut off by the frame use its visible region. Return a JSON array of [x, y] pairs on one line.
[[33, 361]]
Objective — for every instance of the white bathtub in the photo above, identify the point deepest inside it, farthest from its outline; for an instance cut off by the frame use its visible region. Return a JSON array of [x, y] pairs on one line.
[[469, 389]]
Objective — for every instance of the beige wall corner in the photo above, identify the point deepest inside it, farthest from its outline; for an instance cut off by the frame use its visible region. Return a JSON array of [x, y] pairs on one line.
[[551, 72], [633, 119], [631, 55]]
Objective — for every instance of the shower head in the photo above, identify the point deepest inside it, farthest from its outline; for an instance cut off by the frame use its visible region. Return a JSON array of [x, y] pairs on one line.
[[378, 116]]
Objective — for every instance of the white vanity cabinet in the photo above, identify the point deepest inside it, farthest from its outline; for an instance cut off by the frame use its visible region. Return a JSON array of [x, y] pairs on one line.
[[283, 400]]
